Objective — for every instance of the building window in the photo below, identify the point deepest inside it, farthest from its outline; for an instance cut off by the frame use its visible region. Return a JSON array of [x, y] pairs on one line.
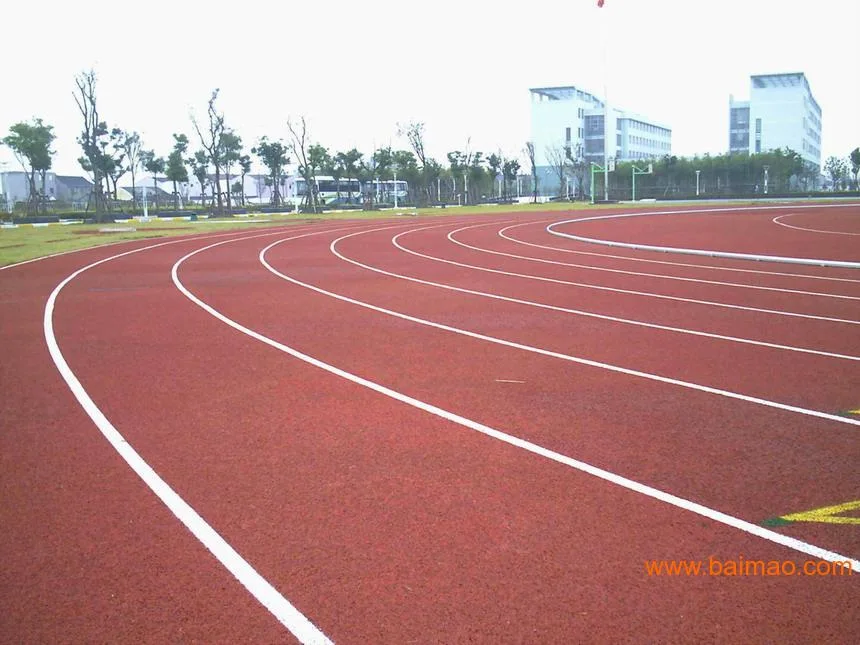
[[567, 135], [757, 146], [758, 126]]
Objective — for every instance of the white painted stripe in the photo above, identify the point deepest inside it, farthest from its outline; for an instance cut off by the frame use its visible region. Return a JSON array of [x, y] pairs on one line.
[[629, 484], [673, 263], [299, 625], [566, 310], [775, 220], [701, 280], [538, 350], [647, 294], [714, 254], [505, 380]]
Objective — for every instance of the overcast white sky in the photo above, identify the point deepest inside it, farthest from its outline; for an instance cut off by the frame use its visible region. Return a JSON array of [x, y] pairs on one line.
[[464, 67]]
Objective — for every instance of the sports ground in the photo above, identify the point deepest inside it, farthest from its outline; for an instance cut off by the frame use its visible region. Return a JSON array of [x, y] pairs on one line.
[[460, 429]]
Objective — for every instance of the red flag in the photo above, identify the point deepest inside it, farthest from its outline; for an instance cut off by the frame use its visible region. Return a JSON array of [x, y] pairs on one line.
[[599, 3]]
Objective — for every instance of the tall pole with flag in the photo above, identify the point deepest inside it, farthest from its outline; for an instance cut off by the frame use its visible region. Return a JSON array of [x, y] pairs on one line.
[[605, 109]]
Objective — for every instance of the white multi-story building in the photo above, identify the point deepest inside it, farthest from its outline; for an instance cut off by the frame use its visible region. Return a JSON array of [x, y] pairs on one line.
[[780, 113], [571, 122]]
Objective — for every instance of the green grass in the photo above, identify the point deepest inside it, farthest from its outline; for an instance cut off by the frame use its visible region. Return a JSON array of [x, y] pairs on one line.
[[27, 242]]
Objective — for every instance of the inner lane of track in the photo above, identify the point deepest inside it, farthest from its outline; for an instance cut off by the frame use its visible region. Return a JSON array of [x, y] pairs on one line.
[[753, 231], [533, 236]]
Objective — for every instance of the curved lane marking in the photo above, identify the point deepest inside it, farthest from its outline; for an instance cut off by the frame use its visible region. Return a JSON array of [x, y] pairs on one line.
[[663, 276], [647, 294], [566, 310], [706, 252], [300, 626], [683, 279], [624, 482], [775, 220], [501, 234]]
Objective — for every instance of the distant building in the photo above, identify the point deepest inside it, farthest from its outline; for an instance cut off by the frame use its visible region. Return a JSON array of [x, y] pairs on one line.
[[780, 113], [72, 189], [16, 185], [572, 121]]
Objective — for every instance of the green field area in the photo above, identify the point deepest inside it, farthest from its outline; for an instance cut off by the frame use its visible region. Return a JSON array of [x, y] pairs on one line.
[[27, 242]]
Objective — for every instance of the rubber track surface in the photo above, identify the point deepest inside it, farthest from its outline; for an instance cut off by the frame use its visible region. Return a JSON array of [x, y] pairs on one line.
[[380, 522]]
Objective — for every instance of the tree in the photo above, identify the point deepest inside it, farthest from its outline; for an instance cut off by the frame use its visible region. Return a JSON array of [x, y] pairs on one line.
[[200, 169], [382, 159], [154, 165], [31, 145], [113, 165], [579, 168], [510, 170], [530, 155], [854, 157], [403, 162], [130, 144], [273, 155], [176, 170], [560, 163], [320, 161], [414, 132], [494, 163], [91, 136], [477, 176], [837, 169], [231, 151], [245, 168], [349, 163], [299, 146], [212, 142]]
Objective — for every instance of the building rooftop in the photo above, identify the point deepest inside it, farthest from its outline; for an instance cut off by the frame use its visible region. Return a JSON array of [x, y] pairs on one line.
[[565, 93], [791, 79], [71, 182]]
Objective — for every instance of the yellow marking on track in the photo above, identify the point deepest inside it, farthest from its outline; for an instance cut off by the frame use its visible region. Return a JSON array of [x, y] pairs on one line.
[[827, 514]]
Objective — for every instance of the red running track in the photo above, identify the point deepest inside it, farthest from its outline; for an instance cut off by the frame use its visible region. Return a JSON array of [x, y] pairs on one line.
[[384, 523], [754, 231]]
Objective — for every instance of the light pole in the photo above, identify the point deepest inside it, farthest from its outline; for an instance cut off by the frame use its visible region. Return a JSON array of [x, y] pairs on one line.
[[697, 182]]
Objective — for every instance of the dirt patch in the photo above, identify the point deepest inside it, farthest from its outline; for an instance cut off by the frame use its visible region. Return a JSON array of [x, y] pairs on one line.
[[11, 246]]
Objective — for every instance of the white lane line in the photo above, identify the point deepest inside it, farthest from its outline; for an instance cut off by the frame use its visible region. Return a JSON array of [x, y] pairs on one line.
[[647, 294], [775, 220], [537, 350], [505, 380], [624, 482], [694, 280], [566, 310], [702, 252], [299, 625], [501, 234]]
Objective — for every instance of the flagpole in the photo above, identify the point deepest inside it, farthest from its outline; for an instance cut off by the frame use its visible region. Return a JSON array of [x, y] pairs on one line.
[[605, 106]]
